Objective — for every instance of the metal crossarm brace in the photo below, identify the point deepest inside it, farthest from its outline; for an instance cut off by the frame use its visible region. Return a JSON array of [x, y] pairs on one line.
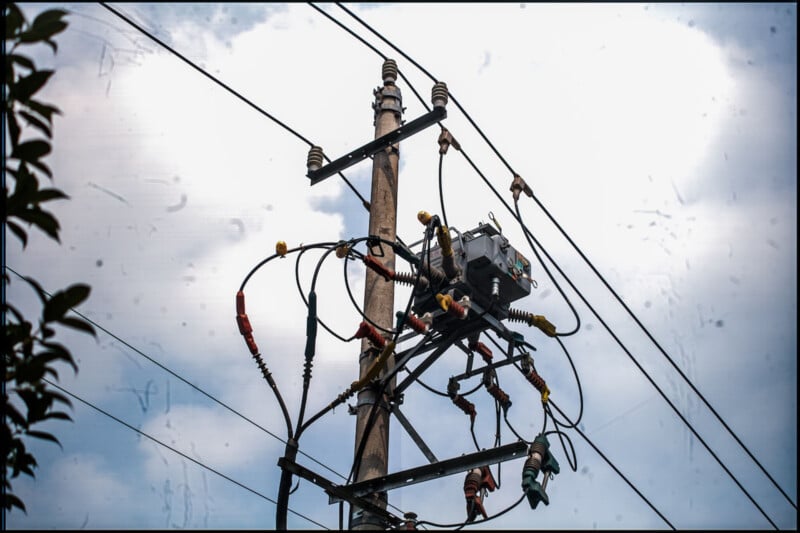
[[433, 471], [337, 491], [414, 435], [373, 147]]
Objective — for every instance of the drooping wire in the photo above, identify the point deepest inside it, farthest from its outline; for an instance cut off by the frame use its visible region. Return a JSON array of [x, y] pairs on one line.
[[195, 461], [235, 93], [181, 378], [355, 304], [589, 263], [303, 296], [441, 193], [459, 525], [527, 233], [378, 52], [614, 467], [372, 417]]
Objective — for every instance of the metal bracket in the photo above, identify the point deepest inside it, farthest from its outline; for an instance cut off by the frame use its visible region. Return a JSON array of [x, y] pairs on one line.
[[373, 147], [414, 435], [433, 471], [337, 491]]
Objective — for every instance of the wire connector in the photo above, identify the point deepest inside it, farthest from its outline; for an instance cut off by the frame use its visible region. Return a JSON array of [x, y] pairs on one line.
[[446, 139], [281, 248], [518, 186]]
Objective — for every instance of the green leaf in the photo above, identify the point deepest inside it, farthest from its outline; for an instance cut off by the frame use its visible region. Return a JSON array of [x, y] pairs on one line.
[[31, 150], [79, 324], [21, 60], [45, 110], [43, 220], [27, 86], [13, 129], [9, 501], [61, 301], [18, 231], [14, 19], [45, 195], [58, 415], [36, 123], [43, 435], [12, 413], [36, 287], [48, 24]]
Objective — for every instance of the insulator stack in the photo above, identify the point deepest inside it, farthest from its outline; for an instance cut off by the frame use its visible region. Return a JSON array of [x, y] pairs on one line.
[[539, 383], [416, 324], [315, 158], [472, 489], [537, 453], [482, 349], [452, 307], [434, 274], [517, 315], [366, 330], [410, 279], [499, 395], [389, 71], [382, 270], [439, 94], [465, 405]]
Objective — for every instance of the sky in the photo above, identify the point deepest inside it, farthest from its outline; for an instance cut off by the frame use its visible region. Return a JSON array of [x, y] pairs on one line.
[[661, 137]]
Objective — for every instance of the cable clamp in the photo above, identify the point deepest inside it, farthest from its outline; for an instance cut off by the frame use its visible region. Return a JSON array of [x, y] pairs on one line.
[[518, 185], [445, 140]]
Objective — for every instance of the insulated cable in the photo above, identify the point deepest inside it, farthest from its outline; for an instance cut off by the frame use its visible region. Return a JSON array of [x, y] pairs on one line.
[[195, 461], [589, 263], [232, 91]]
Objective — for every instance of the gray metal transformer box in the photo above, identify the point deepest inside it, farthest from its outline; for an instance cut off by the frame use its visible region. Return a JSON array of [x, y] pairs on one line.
[[482, 254]]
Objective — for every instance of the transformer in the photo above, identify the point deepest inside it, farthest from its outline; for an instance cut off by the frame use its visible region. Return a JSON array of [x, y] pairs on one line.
[[490, 272]]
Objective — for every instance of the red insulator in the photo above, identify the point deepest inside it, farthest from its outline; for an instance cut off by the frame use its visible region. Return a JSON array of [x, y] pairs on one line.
[[457, 310], [377, 266], [416, 324], [482, 349], [499, 395], [244, 324], [536, 380], [465, 405], [366, 330]]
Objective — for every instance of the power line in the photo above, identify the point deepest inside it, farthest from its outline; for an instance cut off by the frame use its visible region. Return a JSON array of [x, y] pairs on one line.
[[195, 461], [235, 93], [587, 261], [187, 382]]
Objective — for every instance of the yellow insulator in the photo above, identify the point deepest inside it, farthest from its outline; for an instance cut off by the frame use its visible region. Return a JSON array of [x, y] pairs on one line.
[[281, 248], [342, 251], [445, 243], [545, 395], [543, 324], [444, 301], [424, 217]]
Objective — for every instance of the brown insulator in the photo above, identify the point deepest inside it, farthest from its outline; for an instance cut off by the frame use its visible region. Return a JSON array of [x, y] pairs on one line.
[[465, 405], [366, 330]]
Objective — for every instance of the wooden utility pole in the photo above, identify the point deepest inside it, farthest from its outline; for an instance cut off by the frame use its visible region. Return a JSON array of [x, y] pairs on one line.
[[379, 293]]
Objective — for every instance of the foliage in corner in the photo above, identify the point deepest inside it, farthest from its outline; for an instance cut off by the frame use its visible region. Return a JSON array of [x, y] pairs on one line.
[[29, 353]]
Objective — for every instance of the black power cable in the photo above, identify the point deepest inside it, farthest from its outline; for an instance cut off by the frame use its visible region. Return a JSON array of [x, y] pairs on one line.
[[195, 461], [233, 92], [589, 263]]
